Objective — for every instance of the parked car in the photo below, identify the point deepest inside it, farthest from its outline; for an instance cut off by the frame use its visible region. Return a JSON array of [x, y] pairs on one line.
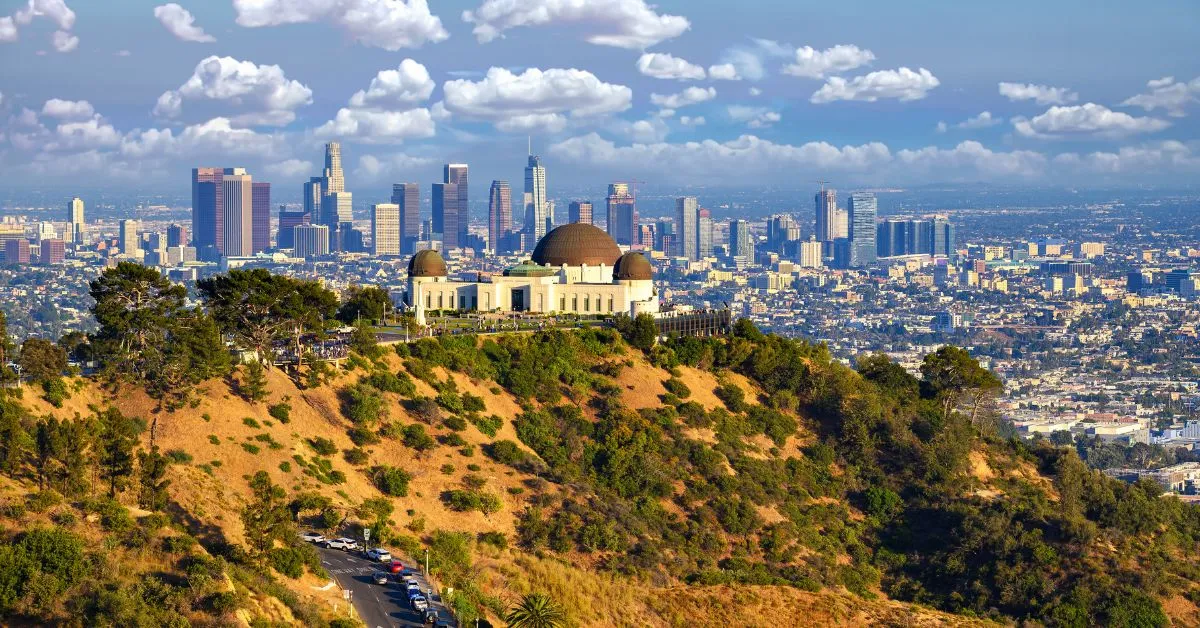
[[419, 603], [411, 581], [431, 616], [342, 543], [397, 567], [380, 577], [412, 590], [312, 537], [379, 555]]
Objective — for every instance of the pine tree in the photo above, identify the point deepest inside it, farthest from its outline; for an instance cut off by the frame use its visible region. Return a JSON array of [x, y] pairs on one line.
[[152, 482], [118, 435]]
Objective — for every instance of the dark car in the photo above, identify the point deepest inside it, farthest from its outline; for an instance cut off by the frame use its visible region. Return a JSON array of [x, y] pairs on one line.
[[380, 577]]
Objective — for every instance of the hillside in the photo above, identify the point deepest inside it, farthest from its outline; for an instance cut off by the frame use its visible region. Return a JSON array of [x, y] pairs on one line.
[[741, 481]]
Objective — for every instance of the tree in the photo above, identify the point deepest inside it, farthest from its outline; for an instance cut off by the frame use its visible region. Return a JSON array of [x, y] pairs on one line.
[[953, 377], [152, 482], [267, 518], [117, 437], [135, 306], [249, 305], [640, 333], [536, 610], [6, 349], [41, 360], [253, 387], [47, 447], [14, 440], [364, 302]]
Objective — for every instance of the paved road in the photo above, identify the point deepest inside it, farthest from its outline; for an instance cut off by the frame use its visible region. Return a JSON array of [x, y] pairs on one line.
[[379, 606]]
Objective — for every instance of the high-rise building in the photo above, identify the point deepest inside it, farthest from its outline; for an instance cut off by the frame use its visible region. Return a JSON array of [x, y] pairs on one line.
[[385, 229], [826, 206], [260, 222], [687, 217], [337, 205], [862, 207], [536, 221], [53, 251], [129, 237], [16, 251], [811, 253], [499, 213], [177, 235], [312, 197], [237, 205], [332, 179], [408, 197], [782, 229], [918, 237], [310, 240], [580, 211], [943, 240], [208, 211], [741, 244], [891, 237], [75, 224], [46, 231], [704, 227], [288, 221], [445, 214], [622, 218]]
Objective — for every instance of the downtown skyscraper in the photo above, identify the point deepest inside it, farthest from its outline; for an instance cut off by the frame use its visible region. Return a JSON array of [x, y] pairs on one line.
[[337, 205], [826, 214], [385, 229], [76, 228], [580, 211], [499, 213], [622, 218], [237, 205], [260, 216], [408, 197], [208, 215], [687, 217], [450, 208], [537, 223], [863, 208]]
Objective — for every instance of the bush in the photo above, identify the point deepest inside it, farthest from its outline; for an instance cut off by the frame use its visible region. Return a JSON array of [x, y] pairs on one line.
[[455, 423], [506, 452], [222, 602], [416, 438], [54, 391], [214, 439], [447, 469], [285, 466], [362, 436], [322, 446], [453, 439], [495, 539], [392, 481], [179, 456], [251, 423], [676, 387], [488, 425], [251, 449], [282, 412], [472, 403], [356, 456]]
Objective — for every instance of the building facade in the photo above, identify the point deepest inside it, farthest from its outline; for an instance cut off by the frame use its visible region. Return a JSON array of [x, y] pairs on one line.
[[687, 217], [237, 206], [311, 240], [622, 215], [408, 197], [260, 216], [537, 221], [385, 229], [76, 227], [499, 213], [580, 211], [863, 208]]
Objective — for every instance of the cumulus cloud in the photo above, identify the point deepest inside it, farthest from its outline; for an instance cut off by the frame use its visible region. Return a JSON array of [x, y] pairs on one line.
[[754, 91], [748, 61], [218, 136], [181, 23], [648, 131], [753, 117], [903, 84], [621, 23], [973, 157], [290, 168], [1084, 121], [811, 63], [409, 83], [1167, 94], [373, 168], [1159, 158], [8, 30], [387, 24], [689, 96], [55, 11], [691, 121], [269, 95], [982, 121], [520, 102], [379, 127], [68, 109], [1041, 94], [83, 135], [64, 41], [724, 72], [665, 66]]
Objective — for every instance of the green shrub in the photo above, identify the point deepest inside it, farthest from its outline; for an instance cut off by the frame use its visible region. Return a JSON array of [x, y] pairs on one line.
[[447, 469], [676, 387], [488, 425], [54, 391], [495, 539], [356, 456], [251, 449], [362, 436], [416, 437], [506, 452], [322, 446], [179, 456], [285, 466], [214, 439], [453, 439], [455, 423], [281, 411], [392, 481], [251, 423]]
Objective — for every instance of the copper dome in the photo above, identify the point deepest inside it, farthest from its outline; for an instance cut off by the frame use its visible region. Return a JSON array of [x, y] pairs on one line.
[[576, 244], [427, 263], [632, 266]]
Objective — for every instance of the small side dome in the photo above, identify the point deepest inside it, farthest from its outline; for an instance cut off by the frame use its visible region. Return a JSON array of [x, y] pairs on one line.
[[427, 263], [633, 266]]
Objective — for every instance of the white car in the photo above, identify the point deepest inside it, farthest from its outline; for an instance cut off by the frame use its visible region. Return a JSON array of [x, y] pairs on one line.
[[342, 543], [379, 555], [419, 603], [312, 537]]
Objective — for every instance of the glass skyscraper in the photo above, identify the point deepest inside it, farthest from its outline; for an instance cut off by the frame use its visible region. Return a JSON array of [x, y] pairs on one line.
[[863, 208]]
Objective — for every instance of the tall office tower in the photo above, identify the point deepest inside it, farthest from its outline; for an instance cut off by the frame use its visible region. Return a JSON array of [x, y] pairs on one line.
[[891, 238], [312, 197], [310, 240], [385, 229], [260, 224], [53, 251], [456, 176], [536, 220], [622, 213], [499, 213], [781, 229], [337, 205], [75, 223], [129, 237], [46, 231], [580, 211], [445, 214], [810, 253], [208, 211], [408, 197], [16, 251], [826, 205], [942, 238], [740, 242], [332, 179], [687, 217], [863, 208], [704, 227], [238, 204], [664, 237], [177, 235], [841, 224], [918, 237], [286, 238]]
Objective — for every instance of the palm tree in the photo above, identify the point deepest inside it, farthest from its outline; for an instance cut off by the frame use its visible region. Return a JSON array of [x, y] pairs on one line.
[[536, 610]]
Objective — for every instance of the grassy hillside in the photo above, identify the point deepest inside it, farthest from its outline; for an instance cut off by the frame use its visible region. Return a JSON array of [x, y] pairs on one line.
[[742, 481]]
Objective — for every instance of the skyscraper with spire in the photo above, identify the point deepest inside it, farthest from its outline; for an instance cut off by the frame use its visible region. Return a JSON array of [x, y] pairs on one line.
[[537, 219]]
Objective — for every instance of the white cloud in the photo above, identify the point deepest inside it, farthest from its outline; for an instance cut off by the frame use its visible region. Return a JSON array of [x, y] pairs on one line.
[[1088, 120], [68, 109], [84, 134], [409, 83], [903, 84], [387, 24], [122, 53], [748, 61], [941, 126], [754, 91], [973, 157], [374, 168], [621, 23], [1, 99], [543, 122], [1041, 94], [724, 72], [181, 23], [691, 121], [215, 137], [1157, 158], [811, 63], [665, 113], [648, 131], [664, 66], [64, 41], [1166, 94], [379, 127], [521, 101], [264, 90], [290, 168], [689, 96], [982, 121], [8, 30], [753, 117]]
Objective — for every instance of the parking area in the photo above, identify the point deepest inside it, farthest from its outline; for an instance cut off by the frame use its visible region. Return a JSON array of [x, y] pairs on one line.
[[380, 606]]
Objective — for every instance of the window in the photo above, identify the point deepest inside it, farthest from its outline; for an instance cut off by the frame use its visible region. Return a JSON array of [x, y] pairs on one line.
[[575, 303], [474, 303], [441, 299], [428, 301], [563, 305], [610, 304], [587, 303]]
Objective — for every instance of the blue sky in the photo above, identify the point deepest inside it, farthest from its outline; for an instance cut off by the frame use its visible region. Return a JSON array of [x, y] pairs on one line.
[[698, 92]]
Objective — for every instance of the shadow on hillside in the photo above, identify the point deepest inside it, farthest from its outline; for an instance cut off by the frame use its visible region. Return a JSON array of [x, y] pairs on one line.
[[210, 536]]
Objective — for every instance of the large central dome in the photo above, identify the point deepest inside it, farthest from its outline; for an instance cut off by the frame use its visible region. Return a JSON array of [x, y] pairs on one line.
[[576, 244]]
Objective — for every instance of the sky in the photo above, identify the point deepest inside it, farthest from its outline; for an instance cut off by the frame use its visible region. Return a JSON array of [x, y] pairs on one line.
[[698, 93]]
